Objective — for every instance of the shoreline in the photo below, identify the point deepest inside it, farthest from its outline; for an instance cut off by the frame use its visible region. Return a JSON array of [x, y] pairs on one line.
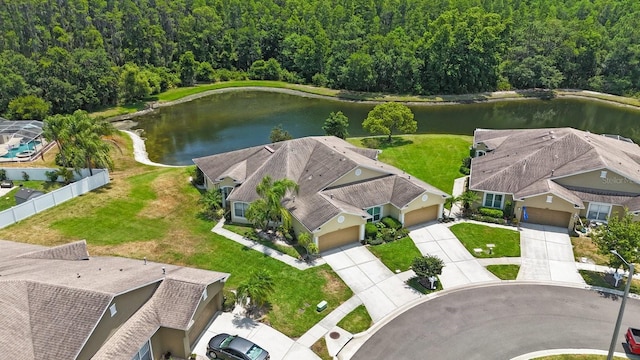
[[124, 120], [140, 151]]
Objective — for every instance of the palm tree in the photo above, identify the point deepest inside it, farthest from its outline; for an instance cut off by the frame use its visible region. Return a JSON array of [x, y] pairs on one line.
[[258, 214], [450, 202], [306, 241], [468, 198], [55, 129], [212, 203], [272, 193], [256, 289]]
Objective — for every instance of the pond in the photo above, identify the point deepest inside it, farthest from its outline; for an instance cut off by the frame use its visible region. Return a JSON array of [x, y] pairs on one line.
[[237, 119]]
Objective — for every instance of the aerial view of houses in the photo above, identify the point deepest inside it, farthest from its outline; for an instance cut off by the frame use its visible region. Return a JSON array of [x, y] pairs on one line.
[[319, 179]]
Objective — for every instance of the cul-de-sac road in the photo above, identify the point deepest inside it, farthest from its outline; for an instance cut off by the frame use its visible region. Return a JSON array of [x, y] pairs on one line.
[[502, 322]]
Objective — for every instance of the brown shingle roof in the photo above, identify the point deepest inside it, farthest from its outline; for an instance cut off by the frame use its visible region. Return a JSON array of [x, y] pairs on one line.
[[52, 298], [315, 163], [525, 162]]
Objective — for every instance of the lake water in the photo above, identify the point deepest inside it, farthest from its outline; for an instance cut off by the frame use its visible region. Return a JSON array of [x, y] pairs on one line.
[[234, 120]]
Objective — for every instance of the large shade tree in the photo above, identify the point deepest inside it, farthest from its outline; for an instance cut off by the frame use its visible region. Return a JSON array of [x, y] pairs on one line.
[[337, 124], [387, 118]]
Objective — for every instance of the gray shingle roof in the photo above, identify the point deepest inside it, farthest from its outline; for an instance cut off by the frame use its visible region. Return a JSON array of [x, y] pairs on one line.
[[314, 163], [525, 162], [52, 298]]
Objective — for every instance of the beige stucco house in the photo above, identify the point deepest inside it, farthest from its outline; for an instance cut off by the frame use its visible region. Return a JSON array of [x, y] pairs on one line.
[[60, 303], [341, 187], [553, 176]]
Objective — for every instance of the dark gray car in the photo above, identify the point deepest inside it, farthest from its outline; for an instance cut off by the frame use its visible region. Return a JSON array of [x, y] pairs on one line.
[[233, 347]]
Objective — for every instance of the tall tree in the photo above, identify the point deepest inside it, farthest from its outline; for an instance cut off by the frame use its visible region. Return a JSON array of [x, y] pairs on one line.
[[337, 124], [621, 234], [386, 118], [269, 210]]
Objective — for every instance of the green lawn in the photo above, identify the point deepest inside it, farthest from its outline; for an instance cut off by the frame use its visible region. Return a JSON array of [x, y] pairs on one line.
[[241, 229], [594, 278], [577, 357], [8, 200], [504, 272], [472, 236], [356, 321], [435, 159], [584, 247], [396, 255]]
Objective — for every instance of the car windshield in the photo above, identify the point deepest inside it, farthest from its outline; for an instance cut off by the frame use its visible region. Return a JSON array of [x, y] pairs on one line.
[[254, 352], [226, 341]]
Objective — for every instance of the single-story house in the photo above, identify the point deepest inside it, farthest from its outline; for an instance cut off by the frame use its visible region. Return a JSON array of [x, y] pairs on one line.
[[554, 176], [25, 194], [341, 187], [60, 303]]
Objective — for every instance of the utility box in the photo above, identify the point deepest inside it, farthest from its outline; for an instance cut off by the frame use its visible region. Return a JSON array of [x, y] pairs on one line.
[[321, 306]]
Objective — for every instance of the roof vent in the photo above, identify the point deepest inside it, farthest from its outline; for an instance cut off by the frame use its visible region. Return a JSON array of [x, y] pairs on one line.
[[269, 149], [331, 195], [164, 271], [145, 260]]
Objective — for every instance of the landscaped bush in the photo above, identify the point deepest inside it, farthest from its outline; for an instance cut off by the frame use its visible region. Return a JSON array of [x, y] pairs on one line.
[[488, 219], [3, 174], [52, 176], [387, 234], [370, 230], [402, 232], [495, 213], [229, 300], [390, 222], [375, 241]]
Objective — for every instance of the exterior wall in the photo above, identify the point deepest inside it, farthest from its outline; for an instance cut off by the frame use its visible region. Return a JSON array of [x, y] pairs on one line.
[[333, 225], [205, 311], [390, 210], [173, 340], [126, 305], [540, 201], [235, 218], [614, 209], [211, 184], [480, 202], [351, 176], [592, 180]]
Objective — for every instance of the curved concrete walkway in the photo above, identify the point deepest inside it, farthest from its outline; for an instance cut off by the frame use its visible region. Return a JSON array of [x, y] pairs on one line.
[[140, 151]]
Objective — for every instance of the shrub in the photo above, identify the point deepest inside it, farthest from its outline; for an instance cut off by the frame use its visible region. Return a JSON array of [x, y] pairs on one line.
[[52, 176], [370, 230], [3, 174], [229, 300], [390, 222], [25, 176], [488, 219], [387, 234], [375, 241], [402, 232], [496, 213]]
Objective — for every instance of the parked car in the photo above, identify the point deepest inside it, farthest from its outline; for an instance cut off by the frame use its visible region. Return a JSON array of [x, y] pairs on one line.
[[233, 347], [633, 340], [6, 184]]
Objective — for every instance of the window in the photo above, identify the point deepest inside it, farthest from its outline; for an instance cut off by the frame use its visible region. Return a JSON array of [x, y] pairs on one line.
[[240, 209], [144, 353], [112, 310], [204, 295], [603, 174], [375, 212], [493, 200], [598, 211], [549, 198]]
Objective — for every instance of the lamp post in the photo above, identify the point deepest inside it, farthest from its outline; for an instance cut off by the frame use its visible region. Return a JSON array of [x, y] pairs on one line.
[[616, 330]]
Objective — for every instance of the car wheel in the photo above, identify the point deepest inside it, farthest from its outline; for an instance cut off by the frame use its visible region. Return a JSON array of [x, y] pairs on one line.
[[212, 355]]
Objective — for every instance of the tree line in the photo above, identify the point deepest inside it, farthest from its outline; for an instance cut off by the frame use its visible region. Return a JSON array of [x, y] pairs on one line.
[[60, 56]]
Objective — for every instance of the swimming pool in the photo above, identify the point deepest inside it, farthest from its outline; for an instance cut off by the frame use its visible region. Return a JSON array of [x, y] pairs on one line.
[[23, 147]]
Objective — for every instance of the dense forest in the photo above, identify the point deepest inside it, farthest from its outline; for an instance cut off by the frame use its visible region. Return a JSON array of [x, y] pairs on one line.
[[57, 56]]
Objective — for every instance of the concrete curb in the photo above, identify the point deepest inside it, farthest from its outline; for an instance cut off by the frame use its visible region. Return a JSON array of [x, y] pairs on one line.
[[543, 353]]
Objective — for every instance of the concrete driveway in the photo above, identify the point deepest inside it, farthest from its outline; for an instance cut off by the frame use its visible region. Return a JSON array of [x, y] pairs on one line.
[[461, 268], [279, 346], [547, 254], [380, 290]]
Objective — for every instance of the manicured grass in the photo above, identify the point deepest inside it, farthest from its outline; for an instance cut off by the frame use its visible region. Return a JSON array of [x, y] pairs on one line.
[[435, 159], [577, 357], [320, 349], [8, 200], [584, 247], [504, 272], [244, 230], [594, 278], [474, 236], [153, 212], [396, 255], [356, 321]]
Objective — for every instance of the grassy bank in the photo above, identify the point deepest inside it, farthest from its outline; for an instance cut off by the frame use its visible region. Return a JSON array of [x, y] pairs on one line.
[[182, 93], [440, 156]]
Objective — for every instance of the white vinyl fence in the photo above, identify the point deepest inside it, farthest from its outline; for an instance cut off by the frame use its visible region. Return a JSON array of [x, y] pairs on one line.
[[31, 207]]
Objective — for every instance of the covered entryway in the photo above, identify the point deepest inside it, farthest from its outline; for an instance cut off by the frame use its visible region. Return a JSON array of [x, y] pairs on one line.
[[420, 216], [547, 217], [339, 238]]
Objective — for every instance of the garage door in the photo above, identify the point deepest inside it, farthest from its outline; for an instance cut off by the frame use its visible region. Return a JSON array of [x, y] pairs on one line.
[[547, 217], [339, 238], [420, 216]]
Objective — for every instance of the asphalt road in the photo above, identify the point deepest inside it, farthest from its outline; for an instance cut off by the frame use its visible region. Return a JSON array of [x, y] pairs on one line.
[[501, 322]]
